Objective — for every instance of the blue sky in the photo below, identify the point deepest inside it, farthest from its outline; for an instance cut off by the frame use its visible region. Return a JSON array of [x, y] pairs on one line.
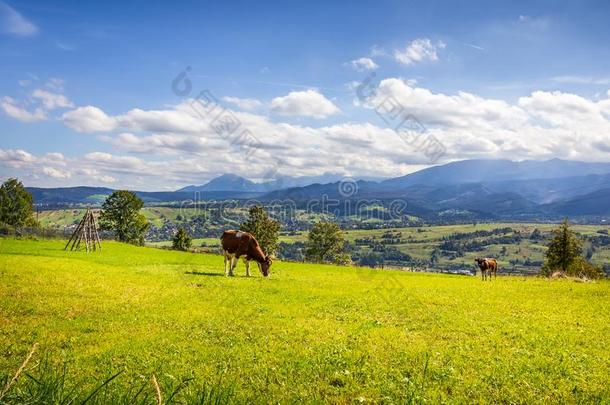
[[86, 94]]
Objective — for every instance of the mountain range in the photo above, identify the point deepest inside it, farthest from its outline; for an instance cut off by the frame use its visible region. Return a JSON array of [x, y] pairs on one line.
[[232, 182], [488, 188]]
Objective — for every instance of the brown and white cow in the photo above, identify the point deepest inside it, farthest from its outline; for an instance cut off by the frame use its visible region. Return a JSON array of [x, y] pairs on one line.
[[236, 244], [488, 266]]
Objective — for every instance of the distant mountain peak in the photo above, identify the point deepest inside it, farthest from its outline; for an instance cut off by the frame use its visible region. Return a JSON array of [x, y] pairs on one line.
[[226, 182]]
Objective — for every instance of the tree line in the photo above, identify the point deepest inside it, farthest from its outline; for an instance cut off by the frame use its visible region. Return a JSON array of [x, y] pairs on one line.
[[120, 214]]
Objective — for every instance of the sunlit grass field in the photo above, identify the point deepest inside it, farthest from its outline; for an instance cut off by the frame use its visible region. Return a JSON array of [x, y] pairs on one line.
[[308, 333], [418, 242]]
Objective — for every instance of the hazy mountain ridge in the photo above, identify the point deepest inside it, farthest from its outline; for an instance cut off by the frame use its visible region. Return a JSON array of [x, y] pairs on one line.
[[486, 187], [96, 195], [232, 182]]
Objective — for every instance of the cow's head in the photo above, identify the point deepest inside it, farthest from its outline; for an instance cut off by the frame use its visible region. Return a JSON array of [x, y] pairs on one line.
[[266, 265], [479, 261]]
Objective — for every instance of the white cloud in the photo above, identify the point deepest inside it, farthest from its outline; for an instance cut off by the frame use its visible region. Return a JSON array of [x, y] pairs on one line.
[[55, 156], [168, 144], [243, 103], [419, 50], [105, 179], [56, 84], [88, 119], [308, 103], [95, 175], [13, 23], [93, 119], [15, 158], [52, 101], [55, 169], [180, 119], [56, 173], [363, 64], [377, 50], [13, 110], [539, 126], [175, 146], [39, 104]]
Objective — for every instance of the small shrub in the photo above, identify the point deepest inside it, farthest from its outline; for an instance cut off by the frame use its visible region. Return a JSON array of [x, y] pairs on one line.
[[585, 269]]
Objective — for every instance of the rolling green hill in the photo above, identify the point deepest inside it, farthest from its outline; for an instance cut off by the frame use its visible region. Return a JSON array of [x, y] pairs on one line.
[[308, 333], [514, 249]]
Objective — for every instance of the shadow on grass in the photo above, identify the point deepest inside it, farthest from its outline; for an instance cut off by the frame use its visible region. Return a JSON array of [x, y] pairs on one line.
[[203, 273]]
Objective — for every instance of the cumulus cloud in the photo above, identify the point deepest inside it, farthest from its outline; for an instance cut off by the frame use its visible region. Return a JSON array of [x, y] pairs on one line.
[[88, 119], [419, 50], [167, 144], [175, 146], [308, 103], [363, 64], [13, 110], [243, 103], [51, 101], [94, 119], [180, 119], [15, 157], [56, 156], [38, 105], [541, 125], [56, 173], [538, 126], [54, 168], [95, 175], [13, 23]]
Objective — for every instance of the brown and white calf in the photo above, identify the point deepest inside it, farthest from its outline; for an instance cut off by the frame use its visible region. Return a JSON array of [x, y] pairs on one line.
[[236, 244], [487, 266]]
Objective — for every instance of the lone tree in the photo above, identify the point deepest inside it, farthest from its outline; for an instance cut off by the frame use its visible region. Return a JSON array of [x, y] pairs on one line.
[[182, 240], [121, 214], [325, 243], [564, 249], [565, 254], [266, 230], [16, 205]]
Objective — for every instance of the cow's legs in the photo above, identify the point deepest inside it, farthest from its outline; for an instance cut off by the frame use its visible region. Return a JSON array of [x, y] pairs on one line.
[[247, 264], [230, 262], [226, 263], [233, 265]]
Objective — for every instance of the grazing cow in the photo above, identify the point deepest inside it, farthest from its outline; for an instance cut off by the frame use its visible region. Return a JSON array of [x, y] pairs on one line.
[[487, 266], [236, 244]]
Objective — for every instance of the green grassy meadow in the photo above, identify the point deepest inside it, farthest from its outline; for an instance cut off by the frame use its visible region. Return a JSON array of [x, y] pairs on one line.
[[418, 241], [309, 333]]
